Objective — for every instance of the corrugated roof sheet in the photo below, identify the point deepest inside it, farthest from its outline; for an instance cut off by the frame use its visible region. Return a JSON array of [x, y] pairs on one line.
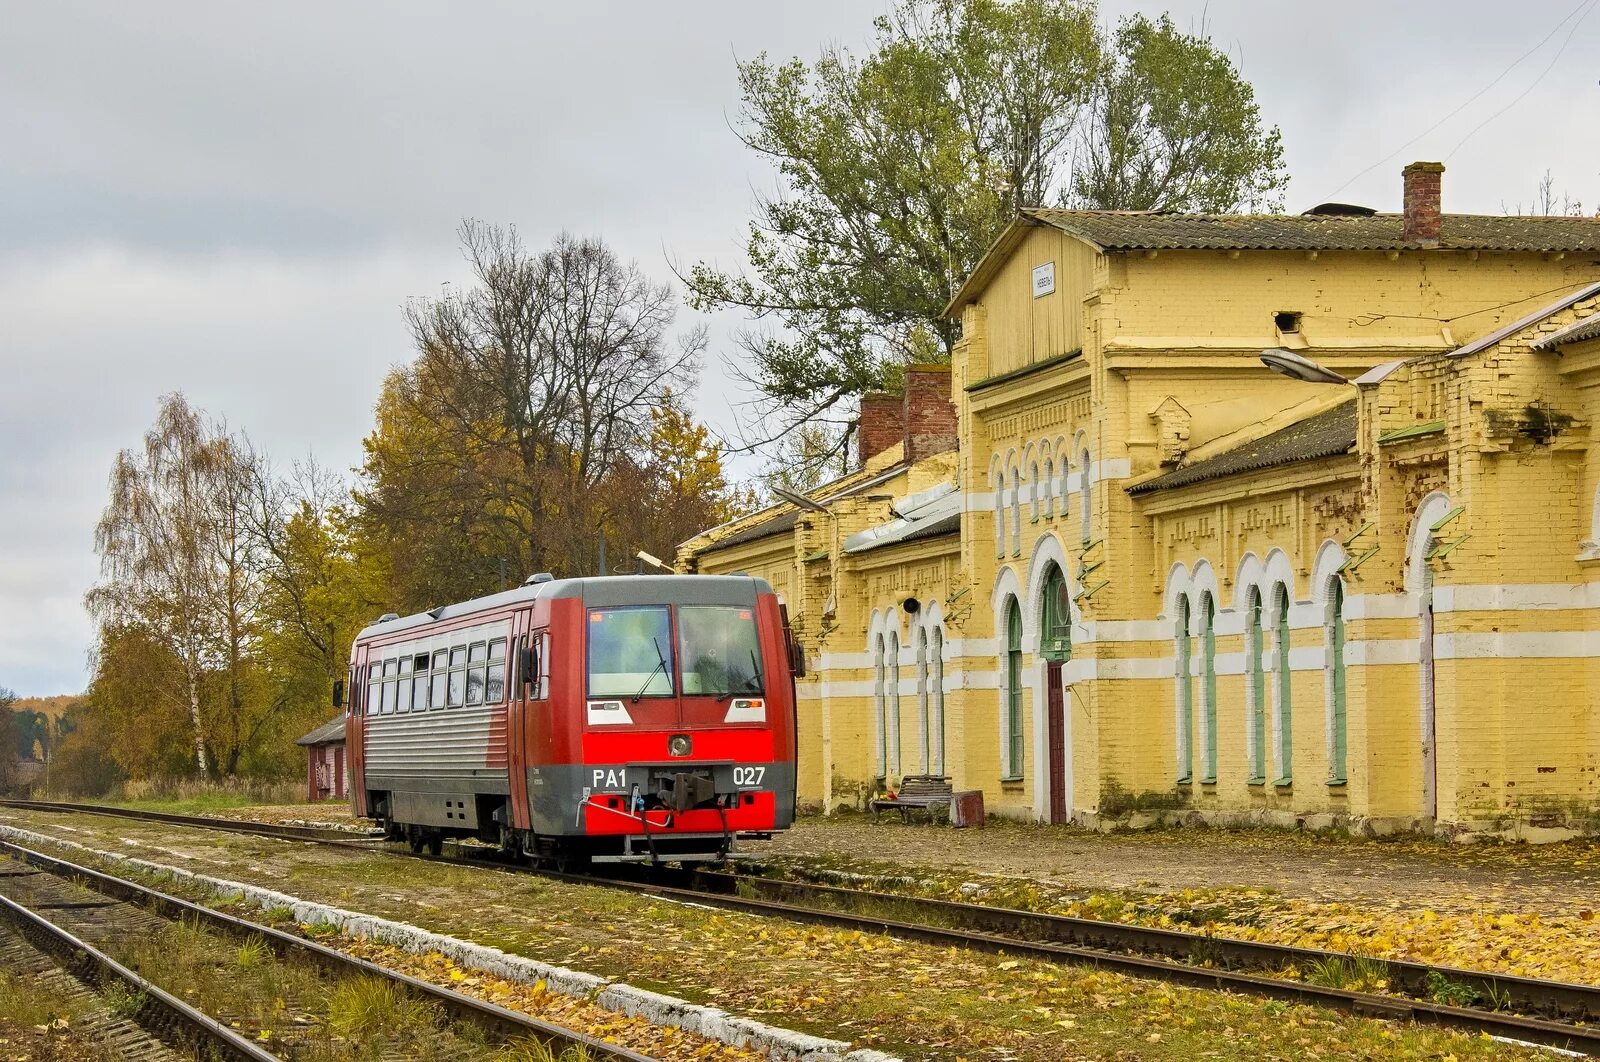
[[931, 508], [1119, 230], [328, 733], [1577, 332], [785, 521], [1325, 434]]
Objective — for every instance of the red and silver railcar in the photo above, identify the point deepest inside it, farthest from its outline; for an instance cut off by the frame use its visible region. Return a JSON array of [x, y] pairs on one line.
[[636, 717]]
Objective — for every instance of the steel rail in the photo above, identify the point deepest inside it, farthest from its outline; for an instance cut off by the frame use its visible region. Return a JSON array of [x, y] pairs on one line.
[[264, 829], [459, 1005], [1109, 945], [96, 967]]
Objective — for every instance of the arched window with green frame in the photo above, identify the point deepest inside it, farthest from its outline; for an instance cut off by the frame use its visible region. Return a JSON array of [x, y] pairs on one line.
[[1283, 684], [1255, 670], [1013, 692], [1338, 743], [879, 709], [1185, 684], [1056, 643], [1208, 685]]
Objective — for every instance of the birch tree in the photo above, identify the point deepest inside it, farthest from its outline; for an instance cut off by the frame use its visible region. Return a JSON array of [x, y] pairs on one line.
[[178, 565]]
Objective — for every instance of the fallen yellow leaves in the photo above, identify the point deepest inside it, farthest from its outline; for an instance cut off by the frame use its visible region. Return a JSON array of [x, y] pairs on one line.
[[668, 1044]]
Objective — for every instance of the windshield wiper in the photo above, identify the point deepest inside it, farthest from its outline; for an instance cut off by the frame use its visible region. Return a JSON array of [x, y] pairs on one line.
[[660, 667], [751, 684]]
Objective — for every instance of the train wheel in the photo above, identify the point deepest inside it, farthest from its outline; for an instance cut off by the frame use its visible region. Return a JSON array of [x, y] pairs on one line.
[[436, 844], [414, 839]]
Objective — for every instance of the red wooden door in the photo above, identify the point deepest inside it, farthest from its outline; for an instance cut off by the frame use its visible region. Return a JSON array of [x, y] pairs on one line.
[[1058, 743]]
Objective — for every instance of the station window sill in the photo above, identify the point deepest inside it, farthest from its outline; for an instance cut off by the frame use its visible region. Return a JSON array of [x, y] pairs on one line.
[[1258, 780], [1338, 783], [1283, 783]]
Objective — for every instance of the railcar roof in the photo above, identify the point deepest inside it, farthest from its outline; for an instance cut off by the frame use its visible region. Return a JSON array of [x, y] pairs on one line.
[[597, 590]]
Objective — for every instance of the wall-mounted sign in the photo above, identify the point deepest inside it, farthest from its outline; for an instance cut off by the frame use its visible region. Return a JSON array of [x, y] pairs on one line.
[[1044, 279]]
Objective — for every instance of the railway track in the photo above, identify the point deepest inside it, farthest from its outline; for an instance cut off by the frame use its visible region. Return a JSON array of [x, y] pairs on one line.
[[87, 916], [1550, 1013]]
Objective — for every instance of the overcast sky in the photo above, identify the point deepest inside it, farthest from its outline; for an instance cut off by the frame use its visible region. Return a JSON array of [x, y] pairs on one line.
[[233, 199]]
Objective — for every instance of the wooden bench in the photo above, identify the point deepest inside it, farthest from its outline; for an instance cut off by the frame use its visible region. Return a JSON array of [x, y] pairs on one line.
[[930, 792]]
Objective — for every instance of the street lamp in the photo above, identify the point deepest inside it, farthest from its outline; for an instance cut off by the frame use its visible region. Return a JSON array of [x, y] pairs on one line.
[[1299, 367]]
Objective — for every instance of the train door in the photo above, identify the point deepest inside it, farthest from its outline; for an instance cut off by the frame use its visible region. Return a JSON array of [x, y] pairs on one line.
[[518, 751], [355, 731]]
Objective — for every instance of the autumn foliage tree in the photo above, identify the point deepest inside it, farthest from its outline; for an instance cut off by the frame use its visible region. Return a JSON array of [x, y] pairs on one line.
[[897, 169], [538, 420], [226, 604]]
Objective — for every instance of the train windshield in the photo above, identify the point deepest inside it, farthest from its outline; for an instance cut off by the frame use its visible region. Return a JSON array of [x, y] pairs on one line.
[[721, 656], [630, 652]]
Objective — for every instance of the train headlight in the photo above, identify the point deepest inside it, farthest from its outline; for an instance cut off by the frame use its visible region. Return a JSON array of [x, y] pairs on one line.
[[680, 745], [747, 710]]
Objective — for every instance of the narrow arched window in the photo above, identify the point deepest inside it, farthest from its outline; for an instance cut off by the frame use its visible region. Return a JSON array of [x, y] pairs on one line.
[[1016, 510], [923, 695], [1255, 691], [1337, 739], [999, 484], [1208, 684], [936, 724], [1048, 485], [1084, 488], [1035, 489], [1283, 686], [1185, 683], [880, 715], [893, 665], [1013, 691]]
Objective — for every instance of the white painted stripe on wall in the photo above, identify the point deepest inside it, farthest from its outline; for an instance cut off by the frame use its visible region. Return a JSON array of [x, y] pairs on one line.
[[1306, 658], [1525, 645], [959, 647], [1373, 651], [1519, 597], [1380, 606], [844, 661], [847, 689]]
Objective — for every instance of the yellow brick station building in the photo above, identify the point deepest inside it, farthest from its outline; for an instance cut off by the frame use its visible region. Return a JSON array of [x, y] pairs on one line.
[[1106, 567]]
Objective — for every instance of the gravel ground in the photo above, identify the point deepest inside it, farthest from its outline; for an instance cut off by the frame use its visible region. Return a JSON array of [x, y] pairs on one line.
[[1561, 878], [914, 1000]]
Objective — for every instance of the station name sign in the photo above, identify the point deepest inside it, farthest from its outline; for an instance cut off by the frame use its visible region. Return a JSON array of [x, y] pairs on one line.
[[1044, 279]]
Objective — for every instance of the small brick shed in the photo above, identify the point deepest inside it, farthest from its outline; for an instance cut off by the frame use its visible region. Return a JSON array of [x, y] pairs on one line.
[[325, 775]]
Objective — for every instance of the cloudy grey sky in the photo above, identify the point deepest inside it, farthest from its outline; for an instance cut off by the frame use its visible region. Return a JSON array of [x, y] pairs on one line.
[[234, 199]]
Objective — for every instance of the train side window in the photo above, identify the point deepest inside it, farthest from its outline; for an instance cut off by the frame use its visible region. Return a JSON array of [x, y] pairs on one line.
[[441, 660], [475, 681], [419, 693], [458, 675], [541, 662], [402, 698], [478, 653], [495, 677], [385, 698], [421, 662], [441, 681]]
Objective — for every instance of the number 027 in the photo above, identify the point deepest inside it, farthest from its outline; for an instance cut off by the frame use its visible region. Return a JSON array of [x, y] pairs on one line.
[[748, 775]]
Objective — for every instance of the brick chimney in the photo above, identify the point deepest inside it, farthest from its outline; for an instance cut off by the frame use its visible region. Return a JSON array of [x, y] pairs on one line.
[[1422, 203], [883, 423], [930, 416]]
